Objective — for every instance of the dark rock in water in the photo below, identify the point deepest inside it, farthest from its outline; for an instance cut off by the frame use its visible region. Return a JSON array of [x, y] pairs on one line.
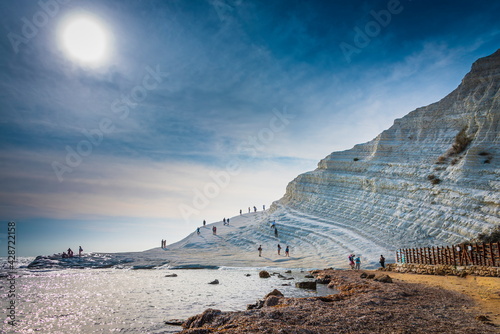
[[201, 319], [309, 276], [264, 274], [280, 276], [257, 305], [171, 275], [285, 284], [194, 266], [288, 272], [324, 280], [288, 278], [383, 279], [248, 275], [306, 285], [214, 282], [174, 322], [142, 267], [275, 292]]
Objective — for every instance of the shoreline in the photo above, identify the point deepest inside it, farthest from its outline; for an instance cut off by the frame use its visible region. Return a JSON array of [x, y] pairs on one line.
[[365, 305]]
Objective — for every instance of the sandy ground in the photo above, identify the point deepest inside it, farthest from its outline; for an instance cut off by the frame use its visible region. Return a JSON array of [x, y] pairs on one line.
[[484, 290], [364, 306]]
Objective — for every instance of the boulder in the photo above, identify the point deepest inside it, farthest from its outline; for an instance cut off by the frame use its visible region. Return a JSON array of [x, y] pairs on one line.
[[363, 275], [383, 279], [275, 292], [309, 276], [201, 319], [323, 280], [214, 282], [264, 274], [288, 272], [271, 301], [306, 285]]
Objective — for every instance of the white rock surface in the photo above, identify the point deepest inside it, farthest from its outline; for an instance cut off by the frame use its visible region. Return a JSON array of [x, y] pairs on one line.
[[380, 191]]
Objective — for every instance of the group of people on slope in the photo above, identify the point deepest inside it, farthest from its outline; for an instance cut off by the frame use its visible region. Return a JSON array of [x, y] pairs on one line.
[[254, 209], [71, 254], [355, 261], [287, 250]]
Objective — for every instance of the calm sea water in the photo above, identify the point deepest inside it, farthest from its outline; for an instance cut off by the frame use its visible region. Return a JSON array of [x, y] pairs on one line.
[[131, 301]]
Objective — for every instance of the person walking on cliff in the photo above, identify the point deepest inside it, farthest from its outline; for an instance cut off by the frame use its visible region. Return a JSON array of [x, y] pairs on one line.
[[260, 250], [204, 222], [279, 249], [198, 231], [80, 250], [358, 263], [382, 261], [287, 251], [214, 230], [275, 232]]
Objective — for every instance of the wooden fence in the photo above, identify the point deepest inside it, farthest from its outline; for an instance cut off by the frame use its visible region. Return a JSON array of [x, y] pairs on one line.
[[485, 254]]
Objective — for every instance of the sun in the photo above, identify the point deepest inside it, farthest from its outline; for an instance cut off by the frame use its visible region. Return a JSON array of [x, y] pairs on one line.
[[85, 39]]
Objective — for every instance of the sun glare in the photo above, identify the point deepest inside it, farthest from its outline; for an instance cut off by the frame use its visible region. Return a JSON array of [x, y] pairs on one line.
[[85, 39]]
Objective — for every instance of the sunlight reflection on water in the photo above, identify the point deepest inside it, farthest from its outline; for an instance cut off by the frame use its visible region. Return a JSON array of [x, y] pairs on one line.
[[134, 301]]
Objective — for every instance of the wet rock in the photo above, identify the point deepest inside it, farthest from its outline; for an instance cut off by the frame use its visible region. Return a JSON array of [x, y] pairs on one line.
[[257, 305], [363, 275], [288, 272], [171, 275], [248, 275], [309, 276], [323, 280], [306, 285], [214, 282], [174, 322], [264, 274], [370, 276]]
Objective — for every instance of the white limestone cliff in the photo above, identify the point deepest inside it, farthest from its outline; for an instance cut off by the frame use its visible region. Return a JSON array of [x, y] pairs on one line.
[[433, 178]]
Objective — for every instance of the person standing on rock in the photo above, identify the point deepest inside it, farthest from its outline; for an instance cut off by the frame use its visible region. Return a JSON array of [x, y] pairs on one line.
[[214, 230], [260, 250], [241, 212], [275, 232], [351, 260], [382, 261], [287, 251], [204, 222], [198, 231], [279, 249], [358, 263], [80, 250]]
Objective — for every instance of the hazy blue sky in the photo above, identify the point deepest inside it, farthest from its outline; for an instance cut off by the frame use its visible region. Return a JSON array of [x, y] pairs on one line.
[[200, 108]]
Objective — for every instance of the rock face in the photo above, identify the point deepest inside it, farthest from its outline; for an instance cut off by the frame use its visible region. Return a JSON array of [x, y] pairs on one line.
[[432, 178]]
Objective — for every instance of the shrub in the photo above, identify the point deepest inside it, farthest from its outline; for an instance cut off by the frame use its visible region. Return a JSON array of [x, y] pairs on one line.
[[441, 160], [435, 181], [431, 177], [492, 236], [460, 144]]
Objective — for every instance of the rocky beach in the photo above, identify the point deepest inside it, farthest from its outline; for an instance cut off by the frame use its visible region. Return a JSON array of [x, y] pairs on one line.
[[367, 302]]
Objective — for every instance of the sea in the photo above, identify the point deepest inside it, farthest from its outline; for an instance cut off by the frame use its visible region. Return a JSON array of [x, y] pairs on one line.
[[121, 299]]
